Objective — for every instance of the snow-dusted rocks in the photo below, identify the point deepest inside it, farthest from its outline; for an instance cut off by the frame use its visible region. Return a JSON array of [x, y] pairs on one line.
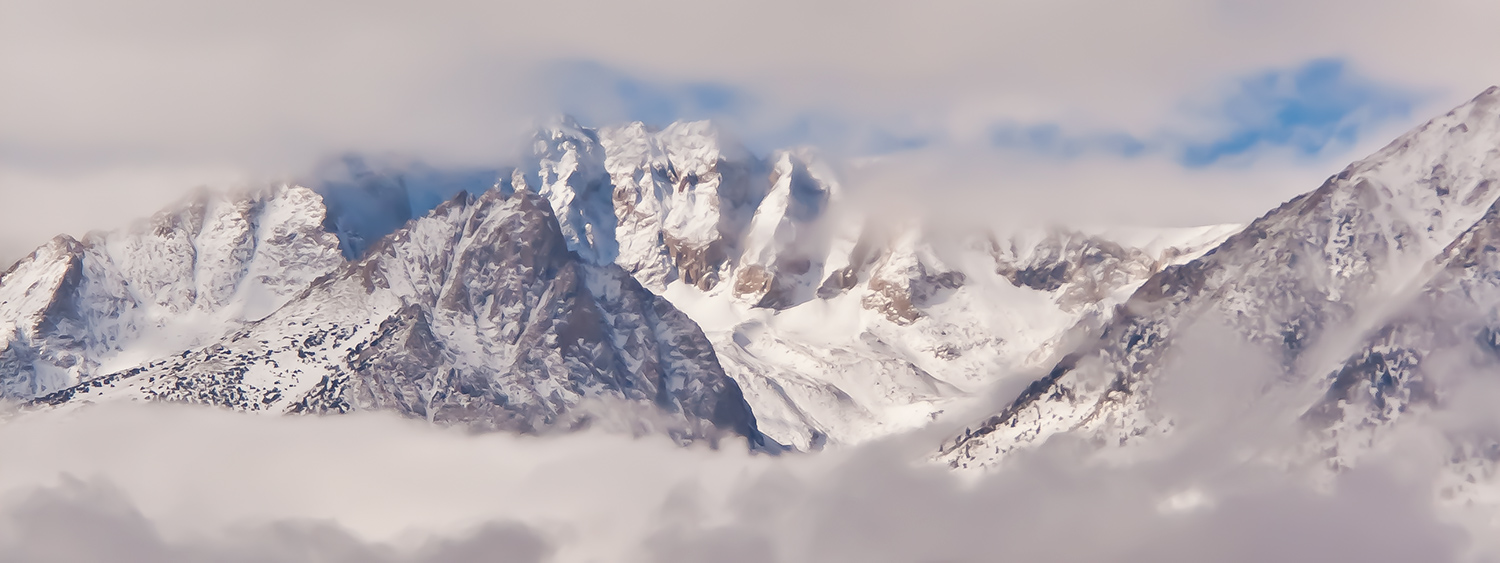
[[73, 309], [684, 197], [1301, 285], [1423, 355], [905, 327], [684, 203], [789, 235], [477, 314], [905, 280]]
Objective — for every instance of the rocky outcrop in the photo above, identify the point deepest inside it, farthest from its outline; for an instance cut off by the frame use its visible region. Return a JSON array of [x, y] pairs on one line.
[[908, 278]]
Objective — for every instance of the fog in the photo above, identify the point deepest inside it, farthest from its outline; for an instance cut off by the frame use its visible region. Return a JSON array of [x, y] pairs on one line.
[[174, 483]]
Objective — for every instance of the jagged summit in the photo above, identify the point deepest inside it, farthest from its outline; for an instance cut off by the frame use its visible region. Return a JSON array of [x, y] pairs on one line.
[[1300, 284]]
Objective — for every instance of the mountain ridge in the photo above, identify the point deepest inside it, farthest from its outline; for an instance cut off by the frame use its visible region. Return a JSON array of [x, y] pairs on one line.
[[760, 252], [1299, 283]]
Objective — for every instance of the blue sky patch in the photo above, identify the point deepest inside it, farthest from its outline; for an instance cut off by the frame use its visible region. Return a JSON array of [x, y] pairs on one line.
[[1315, 107], [1309, 109], [598, 94]]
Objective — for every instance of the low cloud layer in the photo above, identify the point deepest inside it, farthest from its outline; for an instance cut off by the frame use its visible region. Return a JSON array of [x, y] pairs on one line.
[[137, 483], [81, 522]]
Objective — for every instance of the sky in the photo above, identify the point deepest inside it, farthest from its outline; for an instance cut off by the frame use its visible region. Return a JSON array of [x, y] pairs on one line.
[[1169, 112]]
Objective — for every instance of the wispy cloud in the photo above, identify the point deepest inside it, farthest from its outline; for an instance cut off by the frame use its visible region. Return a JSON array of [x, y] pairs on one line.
[[600, 94], [163, 483], [1307, 109], [1050, 139]]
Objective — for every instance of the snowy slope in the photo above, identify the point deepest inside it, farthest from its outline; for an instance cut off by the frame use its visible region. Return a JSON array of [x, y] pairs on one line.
[[76, 309], [913, 334], [1302, 286]]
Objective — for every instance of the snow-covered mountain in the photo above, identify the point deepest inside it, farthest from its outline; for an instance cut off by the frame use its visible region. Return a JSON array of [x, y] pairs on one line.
[[1348, 294], [836, 326]]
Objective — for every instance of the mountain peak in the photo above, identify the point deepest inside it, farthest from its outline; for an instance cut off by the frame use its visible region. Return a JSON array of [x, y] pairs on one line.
[[475, 314]]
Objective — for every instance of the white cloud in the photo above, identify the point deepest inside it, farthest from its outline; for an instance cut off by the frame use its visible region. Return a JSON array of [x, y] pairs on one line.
[[158, 483]]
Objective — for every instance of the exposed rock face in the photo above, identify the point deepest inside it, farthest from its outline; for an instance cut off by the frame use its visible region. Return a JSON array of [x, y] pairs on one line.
[[189, 274], [477, 314], [907, 279], [1080, 268], [685, 204], [1300, 285], [566, 165]]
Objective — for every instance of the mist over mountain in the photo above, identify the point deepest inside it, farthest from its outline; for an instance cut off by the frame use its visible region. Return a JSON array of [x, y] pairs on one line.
[[1166, 281], [672, 285]]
